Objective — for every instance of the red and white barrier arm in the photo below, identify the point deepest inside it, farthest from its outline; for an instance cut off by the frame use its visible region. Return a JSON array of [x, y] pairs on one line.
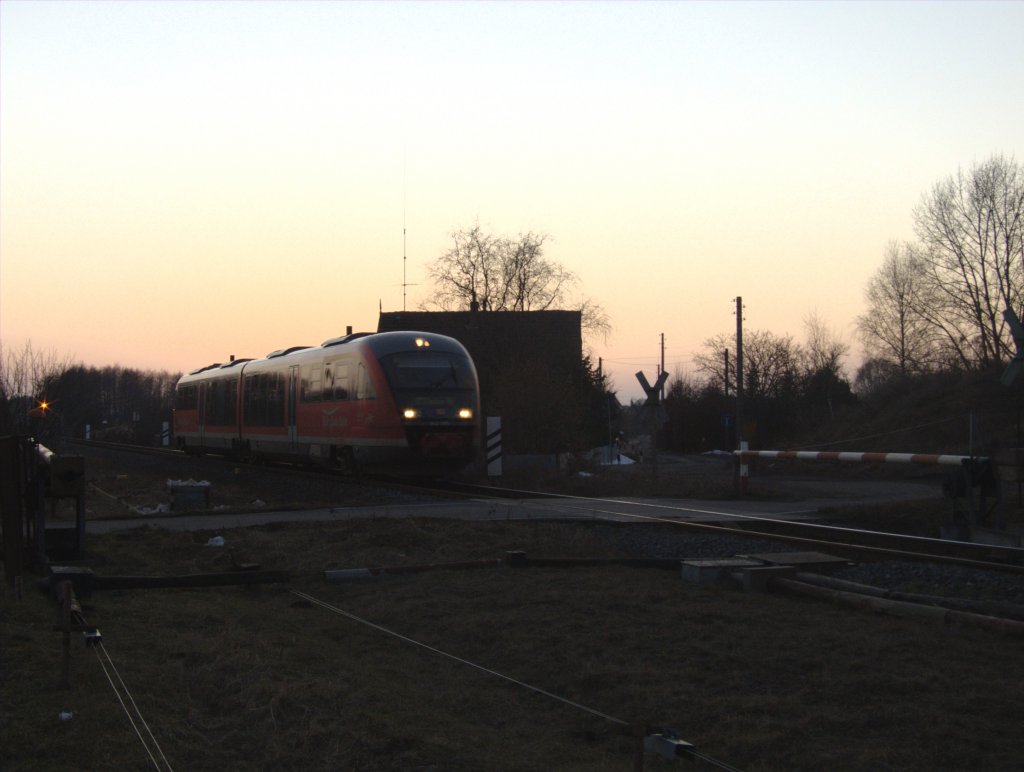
[[830, 455]]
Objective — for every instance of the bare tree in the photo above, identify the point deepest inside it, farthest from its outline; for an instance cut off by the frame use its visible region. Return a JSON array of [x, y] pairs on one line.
[[971, 226], [771, 363], [896, 326], [24, 372], [874, 375], [466, 272], [710, 361], [530, 283], [595, 320], [825, 349], [498, 273]]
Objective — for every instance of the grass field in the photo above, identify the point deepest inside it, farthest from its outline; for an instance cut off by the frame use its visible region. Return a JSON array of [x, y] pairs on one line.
[[261, 679]]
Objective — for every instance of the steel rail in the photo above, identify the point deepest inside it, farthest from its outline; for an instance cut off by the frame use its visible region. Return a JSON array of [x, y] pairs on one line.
[[836, 531], [1015, 555]]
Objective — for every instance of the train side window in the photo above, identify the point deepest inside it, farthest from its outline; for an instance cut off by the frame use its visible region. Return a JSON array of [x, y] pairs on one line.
[[341, 380], [336, 380], [304, 383], [328, 390], [186, 398], [213, 392], [264, 400], [224, 396], [251, 399], [313, 393], [275, 400], [231, 402], [364, 386], [215, 396]]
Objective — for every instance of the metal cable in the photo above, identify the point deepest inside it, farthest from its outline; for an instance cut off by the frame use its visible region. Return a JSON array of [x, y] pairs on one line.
[[901, 430], [455, 658], [128, 713], [124, 707], [536, 689], [712, 761]]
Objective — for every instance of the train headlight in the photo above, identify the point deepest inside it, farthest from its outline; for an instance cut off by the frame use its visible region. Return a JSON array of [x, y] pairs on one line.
[[465, 413], [410, 414], [422, 343]]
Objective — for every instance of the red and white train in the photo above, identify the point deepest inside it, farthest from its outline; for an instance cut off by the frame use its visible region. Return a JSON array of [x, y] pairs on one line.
[[392, 401]]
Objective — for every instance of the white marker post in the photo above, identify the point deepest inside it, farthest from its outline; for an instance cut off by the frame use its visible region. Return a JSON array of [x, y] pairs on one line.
[[493, 446]]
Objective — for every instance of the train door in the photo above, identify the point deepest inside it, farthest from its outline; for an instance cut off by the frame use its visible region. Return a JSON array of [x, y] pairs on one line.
[[293, 401], [201, 390]]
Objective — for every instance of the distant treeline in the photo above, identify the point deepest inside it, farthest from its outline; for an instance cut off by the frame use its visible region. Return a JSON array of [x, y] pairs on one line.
[[109, 403], [948, 411]]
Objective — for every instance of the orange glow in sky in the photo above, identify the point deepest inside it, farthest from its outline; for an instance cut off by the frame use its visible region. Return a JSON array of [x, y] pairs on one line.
[[180, 182]]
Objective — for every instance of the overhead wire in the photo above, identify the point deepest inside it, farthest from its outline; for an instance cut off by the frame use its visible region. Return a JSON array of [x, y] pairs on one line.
[[899, 430], [691, 752], [455, 658], [124, 687]]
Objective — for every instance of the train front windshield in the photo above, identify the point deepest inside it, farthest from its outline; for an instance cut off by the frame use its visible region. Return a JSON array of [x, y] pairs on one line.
[[428, 370], [436, 378]]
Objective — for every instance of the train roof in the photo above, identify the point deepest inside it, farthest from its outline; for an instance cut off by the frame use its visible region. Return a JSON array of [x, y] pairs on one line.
[[283, 352], [344, 339], [381, 343]]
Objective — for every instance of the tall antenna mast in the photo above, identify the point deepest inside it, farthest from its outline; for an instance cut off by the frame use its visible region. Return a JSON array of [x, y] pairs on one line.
[[404, 258]]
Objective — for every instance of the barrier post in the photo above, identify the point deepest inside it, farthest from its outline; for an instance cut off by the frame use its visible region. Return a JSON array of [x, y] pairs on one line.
[[492, 446], [12, 509], [744, 468], [65, 669]]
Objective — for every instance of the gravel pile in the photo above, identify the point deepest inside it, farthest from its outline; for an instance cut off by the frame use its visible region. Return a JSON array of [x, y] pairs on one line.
[[937, 579], [900, 575]]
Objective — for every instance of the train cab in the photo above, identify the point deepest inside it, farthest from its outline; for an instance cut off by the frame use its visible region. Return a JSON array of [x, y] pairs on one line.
[[395, 401]]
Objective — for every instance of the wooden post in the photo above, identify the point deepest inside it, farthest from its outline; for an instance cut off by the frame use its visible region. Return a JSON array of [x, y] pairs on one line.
[[12, 509], [638, 731], [66, 620]]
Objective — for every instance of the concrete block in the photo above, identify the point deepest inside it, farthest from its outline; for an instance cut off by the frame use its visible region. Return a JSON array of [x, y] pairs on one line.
[[712, 571], [757, 579], [804, 561], [82, 579], [189, 495]]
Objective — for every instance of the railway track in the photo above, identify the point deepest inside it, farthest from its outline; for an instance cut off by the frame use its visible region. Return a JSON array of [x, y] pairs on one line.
[[843, 540], [854, 543]]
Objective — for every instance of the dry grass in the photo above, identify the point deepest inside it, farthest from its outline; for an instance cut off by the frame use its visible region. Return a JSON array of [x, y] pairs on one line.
[[260, 679]]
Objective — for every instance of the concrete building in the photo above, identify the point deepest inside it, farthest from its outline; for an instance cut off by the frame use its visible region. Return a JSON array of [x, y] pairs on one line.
[[530, 365]]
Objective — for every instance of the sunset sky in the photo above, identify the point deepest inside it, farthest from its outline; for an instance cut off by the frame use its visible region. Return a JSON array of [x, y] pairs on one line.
[[184, 181]]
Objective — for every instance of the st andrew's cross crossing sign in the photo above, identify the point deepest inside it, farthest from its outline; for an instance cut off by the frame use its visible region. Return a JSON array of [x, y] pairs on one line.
[[654, 391], [1017, 330]]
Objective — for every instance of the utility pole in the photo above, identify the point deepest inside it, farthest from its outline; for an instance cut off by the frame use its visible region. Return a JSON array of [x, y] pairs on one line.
[[739, 372], [741, 445], [726, 427], [725, 373], [662, 366]]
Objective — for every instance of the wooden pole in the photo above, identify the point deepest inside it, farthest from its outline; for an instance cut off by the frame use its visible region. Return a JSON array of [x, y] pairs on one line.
[[66, 619]]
